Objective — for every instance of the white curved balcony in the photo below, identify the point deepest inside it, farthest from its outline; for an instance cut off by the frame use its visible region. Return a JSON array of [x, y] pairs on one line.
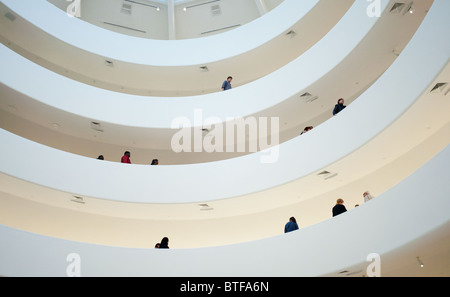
[[387, 226], [374, 50], [248, 174], [166, 67], [414, 97]]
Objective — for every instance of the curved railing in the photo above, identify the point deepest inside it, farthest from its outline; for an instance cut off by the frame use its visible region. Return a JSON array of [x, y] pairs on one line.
[[386, 227], [252, 173], [167, 67], [158, 113]]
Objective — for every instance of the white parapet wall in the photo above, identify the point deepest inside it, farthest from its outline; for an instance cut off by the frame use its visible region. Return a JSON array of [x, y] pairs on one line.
[[385, 227], [387, 101], [158, 112], [165, 67]]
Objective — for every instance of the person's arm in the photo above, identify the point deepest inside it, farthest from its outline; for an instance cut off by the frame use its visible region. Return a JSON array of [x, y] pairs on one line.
[[223, 85]]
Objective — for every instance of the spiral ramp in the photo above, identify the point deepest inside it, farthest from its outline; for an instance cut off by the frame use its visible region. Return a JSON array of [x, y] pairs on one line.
[[224, 212]]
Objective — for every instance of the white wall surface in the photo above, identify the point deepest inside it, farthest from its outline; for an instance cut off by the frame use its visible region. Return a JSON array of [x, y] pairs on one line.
[[248, 174], [251, 98], [385, 226], [199, 21], [146, 21], [163, 52]]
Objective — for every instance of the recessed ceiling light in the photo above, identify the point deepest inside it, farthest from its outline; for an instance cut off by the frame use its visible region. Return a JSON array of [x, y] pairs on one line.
[[291, 33], [420, 262], [10, 16], [205, 206], [410, 9], [96, 126], [327, 174], [78, 199], [439, 87], [397, 7], [324, 172], [205, 131], [308, 97], [109, 63]]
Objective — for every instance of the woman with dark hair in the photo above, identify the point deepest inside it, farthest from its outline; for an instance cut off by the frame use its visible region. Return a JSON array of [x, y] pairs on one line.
[[155, 162], [291, 225], [339, 107], [164, 243]]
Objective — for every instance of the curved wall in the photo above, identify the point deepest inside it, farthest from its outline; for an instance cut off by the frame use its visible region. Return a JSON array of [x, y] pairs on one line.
[[72, 133], [80, 34], [257, 96], [161, 67], [251, 173], [352, 235]]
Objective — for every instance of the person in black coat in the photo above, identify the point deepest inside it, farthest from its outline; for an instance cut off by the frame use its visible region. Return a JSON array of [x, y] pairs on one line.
[[291, 225], [339, 207], [339, 107], [164, 243]]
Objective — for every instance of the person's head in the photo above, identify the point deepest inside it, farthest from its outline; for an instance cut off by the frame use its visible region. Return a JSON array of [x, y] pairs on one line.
[[100, 157], [154, 162], [157, 245], [308, 128], [367, 195], [339, 201], [292, 219], [341, 101], [229, 78], [165, 241], [127, 153]]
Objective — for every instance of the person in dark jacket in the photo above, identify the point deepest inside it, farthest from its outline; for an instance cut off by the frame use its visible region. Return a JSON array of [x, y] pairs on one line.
[[164, 243], [339, 107], [308, 128], [339, 207], [227, 84], [291, 225]]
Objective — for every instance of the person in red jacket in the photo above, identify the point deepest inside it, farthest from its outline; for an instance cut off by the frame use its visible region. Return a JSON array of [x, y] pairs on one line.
[[126, 158]]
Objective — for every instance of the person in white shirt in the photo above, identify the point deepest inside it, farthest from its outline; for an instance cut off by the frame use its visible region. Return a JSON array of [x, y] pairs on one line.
[[367, 196]]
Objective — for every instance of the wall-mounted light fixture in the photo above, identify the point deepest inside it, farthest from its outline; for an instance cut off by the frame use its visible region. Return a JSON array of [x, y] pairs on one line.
[[420, 262]]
